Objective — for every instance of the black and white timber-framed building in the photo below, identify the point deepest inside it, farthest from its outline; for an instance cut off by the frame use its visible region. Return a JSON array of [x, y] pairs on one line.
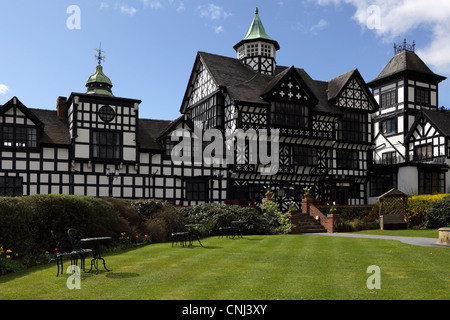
[[95, 143], [411, 131]]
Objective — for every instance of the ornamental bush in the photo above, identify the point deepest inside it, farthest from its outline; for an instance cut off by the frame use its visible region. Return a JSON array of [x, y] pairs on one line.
[[417, 207], [438, 214], [266, 219], [26, 223]]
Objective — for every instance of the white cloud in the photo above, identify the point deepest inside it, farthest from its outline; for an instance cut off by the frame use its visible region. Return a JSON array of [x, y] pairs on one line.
[[394, 18], [3, 89], [218, 29], [152, 4], [180, 7], [213, 12], [319, 26], [127, 10]]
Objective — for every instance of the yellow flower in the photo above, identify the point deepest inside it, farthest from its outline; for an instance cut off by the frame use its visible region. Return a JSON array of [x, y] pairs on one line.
[[8, 251]]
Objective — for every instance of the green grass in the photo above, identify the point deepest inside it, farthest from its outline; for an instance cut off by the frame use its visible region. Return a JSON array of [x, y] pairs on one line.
[[288, 267]]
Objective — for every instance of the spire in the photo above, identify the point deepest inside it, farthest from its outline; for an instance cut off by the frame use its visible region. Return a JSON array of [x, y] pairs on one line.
[[99, 83], [256, 30], [257, 50]]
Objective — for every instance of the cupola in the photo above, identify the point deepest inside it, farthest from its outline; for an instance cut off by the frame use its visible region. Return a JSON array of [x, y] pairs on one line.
[[257, 50], [99, 83]]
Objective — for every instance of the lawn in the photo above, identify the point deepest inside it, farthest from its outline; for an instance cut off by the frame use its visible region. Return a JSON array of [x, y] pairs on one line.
[[287, 267]]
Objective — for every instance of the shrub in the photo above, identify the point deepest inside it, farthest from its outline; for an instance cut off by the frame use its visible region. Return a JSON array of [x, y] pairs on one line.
[[26, 223], [356, 225], [438, 214], [264, 220], [417, 208]]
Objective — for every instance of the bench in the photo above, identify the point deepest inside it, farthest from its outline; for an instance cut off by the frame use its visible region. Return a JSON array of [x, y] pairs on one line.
[[393, 221]]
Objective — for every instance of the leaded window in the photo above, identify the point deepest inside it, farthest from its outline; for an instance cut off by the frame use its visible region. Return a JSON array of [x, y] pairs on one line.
[[422, 96], [287, 114], [106, 145], [389, 98], [252, 49], [431, 182], [389, 126], [106, 113], [423, 152], [197, 190], [304, 156], [389, 158], [18, 137], [266, 50], [353, 127], [209, 113], [11, 186], [347, 159], [381, 183]]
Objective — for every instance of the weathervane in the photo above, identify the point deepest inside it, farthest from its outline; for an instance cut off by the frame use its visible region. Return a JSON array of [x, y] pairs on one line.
[[99, 57]]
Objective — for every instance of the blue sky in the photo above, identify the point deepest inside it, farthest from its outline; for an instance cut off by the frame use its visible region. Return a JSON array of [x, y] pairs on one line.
[[47, 49]]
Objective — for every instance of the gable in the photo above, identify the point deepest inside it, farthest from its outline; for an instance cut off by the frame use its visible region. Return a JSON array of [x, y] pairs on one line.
[[425, 128], [201, 85], [289, 86], [350, 91], [15, 112]]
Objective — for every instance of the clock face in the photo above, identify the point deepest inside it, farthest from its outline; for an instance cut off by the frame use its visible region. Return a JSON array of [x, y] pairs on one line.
[[106, 113]]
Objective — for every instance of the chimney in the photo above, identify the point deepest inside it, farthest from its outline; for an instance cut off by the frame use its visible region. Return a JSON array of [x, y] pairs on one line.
[[61, 107]]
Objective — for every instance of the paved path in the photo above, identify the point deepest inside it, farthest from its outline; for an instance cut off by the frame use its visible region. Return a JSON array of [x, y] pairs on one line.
[[425, 242]]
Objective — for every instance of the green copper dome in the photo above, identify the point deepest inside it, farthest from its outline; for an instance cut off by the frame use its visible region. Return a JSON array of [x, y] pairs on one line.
[[257, 32], [99, 83]]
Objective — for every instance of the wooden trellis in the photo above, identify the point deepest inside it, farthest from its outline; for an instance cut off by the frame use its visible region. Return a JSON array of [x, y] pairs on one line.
[[393, 209]]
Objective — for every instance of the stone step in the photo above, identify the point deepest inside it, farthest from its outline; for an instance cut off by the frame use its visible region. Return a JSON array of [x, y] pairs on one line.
[[307, 224]]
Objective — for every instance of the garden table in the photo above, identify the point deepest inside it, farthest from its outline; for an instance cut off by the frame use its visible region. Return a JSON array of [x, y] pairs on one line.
[[236, 226], [96, 254], [193, 232]]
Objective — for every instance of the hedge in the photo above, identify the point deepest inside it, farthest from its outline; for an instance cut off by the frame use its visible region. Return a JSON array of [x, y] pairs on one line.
[[26, 223], [438, 214]]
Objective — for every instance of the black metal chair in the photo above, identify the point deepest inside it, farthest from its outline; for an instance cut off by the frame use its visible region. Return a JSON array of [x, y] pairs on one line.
[[224, 231], [178, 235], [75, 237], [61, 254]]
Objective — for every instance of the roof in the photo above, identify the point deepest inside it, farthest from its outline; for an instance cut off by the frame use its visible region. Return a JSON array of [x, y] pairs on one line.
[[149, 131], [257, 32], [99, 83], [405, 61], [248, 86], [56, 130], [393, 193], [440, 119]]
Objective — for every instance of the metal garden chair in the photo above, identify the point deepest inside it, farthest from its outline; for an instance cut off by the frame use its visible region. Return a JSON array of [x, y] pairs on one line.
[[61, 254], [75, 236]]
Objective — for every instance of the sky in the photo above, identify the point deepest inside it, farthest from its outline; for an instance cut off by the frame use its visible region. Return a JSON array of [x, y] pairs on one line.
[[48, 46]]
